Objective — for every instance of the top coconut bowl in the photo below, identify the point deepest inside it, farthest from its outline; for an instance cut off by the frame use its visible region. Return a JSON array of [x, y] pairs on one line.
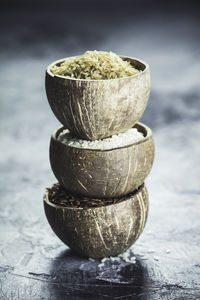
[[96, 109]]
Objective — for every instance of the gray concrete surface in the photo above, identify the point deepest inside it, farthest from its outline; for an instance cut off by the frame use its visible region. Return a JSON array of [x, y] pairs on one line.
[[34, 264]]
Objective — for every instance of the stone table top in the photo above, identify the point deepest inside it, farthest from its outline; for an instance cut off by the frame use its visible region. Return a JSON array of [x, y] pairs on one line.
[[34, 264]]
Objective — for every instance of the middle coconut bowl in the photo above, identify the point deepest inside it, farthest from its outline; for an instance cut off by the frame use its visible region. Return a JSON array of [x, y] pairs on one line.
[[102, 173]]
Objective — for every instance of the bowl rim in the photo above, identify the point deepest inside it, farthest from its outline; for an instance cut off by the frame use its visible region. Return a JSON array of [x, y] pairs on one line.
[[126, 198], [139, 124], [48, 70]]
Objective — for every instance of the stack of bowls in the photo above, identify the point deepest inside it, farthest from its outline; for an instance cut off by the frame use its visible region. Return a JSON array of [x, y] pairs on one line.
[[93, 110]]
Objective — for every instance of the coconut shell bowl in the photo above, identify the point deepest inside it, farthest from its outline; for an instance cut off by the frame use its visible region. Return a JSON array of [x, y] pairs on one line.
[[102, 173], [101, 231], [95, 109]]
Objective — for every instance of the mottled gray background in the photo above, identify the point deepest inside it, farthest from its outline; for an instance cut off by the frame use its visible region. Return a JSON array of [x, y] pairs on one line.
[[166, 34]]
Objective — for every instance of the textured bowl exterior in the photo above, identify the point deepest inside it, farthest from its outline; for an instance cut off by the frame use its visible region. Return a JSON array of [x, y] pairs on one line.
[[102, 231], [95, 109], [102, 174]]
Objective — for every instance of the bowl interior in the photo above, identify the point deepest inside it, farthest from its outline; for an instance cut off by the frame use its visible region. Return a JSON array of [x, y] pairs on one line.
[[140, 127], [136, 63], [123, 198]]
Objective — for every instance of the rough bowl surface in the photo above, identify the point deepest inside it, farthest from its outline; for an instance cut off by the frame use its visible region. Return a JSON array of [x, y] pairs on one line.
[[95, 109], [106, 173], [101, 231]]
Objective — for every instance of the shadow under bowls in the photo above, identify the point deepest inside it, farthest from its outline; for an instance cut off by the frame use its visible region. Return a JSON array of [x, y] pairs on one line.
[[95, 109]]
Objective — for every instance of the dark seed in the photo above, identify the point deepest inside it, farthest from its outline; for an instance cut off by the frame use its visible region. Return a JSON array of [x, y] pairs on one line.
[[59, 196]]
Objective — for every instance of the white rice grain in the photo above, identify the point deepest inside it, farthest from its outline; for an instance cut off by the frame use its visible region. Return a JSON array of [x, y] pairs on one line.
[[126, 138]]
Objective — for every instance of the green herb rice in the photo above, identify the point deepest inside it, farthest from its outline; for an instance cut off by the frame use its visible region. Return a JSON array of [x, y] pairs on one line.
[[95, 65]]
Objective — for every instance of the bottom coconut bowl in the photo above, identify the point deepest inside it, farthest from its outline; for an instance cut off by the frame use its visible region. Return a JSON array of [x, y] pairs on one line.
[[101, 231]]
